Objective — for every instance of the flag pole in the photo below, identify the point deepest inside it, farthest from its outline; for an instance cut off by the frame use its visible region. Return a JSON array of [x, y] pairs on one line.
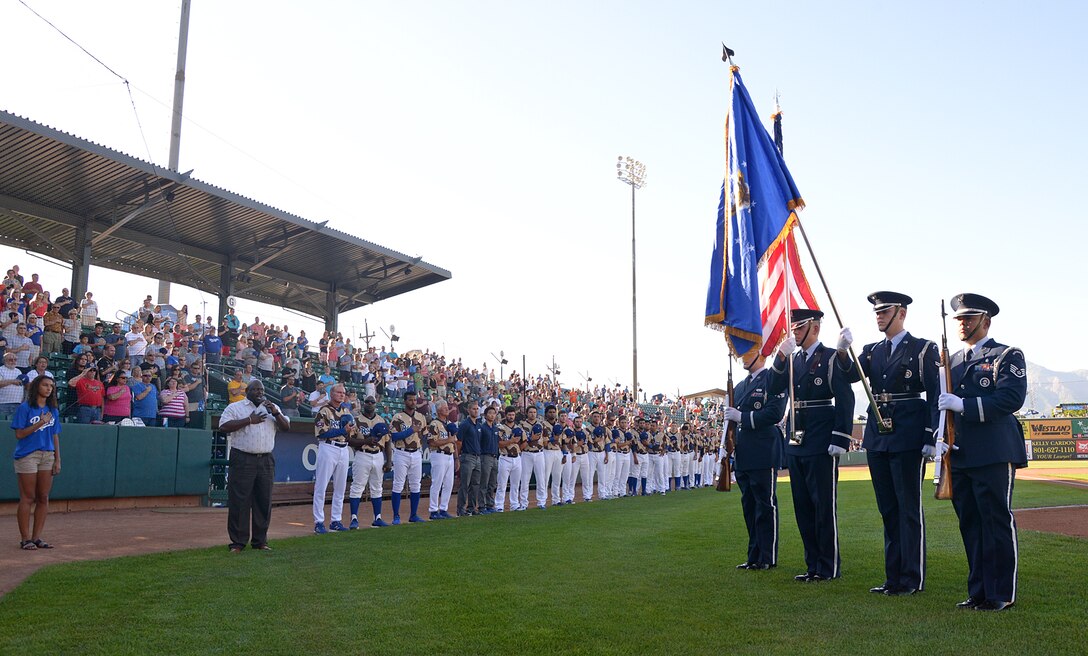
[[857, 363], [778, 140]]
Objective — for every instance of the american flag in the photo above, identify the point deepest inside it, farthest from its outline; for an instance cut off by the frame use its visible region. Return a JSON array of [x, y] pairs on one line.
[[772, 291]]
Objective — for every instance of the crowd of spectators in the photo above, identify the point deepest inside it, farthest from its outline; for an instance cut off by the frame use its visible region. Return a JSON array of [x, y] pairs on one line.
[[152, 368]]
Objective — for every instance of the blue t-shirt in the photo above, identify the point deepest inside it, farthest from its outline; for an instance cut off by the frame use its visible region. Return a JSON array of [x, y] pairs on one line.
[[148, 407], [48, 421], [212, 344]]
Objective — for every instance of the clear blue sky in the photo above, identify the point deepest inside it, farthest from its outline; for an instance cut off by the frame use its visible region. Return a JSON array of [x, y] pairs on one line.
[[938, 145]]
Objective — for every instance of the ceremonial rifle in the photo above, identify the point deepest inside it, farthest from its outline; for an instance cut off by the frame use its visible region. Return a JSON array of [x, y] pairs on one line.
[[944, 484], [729, 438]]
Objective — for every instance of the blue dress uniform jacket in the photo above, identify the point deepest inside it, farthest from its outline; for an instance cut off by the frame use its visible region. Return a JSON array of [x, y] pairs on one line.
[[822, 378], [912, 369], [759, 440], [896, 465], [759, 456], [993, 385], [814, 474]]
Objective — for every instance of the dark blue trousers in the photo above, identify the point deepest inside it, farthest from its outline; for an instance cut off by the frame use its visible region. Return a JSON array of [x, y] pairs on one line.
[[897, 482], [982, 497], [814, 482], [759, 503]]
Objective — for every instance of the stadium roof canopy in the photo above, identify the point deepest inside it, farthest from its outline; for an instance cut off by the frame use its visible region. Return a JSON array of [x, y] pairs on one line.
[[83, 203]]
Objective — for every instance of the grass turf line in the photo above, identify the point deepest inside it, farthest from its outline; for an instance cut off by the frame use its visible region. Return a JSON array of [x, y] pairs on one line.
[[631, 576]]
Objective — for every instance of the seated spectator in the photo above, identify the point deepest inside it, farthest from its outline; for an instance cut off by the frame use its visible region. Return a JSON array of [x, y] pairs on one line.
[[53, 326], [40, 368], [88, 313], [118, 401], [289, 396], [174, 411], [90, 395], [71, 332], [236, 387], [145, 399], [12, 382], [213, 346]]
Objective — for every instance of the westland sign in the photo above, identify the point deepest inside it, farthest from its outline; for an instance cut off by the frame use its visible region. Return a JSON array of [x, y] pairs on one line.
[[1056, 439]]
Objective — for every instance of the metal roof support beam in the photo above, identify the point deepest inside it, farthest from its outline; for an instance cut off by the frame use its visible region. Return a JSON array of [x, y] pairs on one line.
[[331, 314], [146, 205], [81, 261], [46, 238]]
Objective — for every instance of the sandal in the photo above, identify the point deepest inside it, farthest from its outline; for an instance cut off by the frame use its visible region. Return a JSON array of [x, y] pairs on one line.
[[27, 545], [42, 544]]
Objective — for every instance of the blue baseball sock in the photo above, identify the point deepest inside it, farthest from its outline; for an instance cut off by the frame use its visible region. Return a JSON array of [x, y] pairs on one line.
[[396, 505], [355, 501], [644, 486], [415, 503], [377, 503]]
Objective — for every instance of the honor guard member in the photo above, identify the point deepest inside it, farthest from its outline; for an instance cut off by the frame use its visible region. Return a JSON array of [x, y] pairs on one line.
[[333, 425], [510, 436], [597, 441], [902, 373], [824, 409], [532, 459], [758, 457], [553, 454], [407, 433], [442, 444], [373, 457], [989, 383]]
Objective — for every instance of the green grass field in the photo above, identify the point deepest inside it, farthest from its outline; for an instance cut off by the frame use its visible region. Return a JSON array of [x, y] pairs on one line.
[[631, 576]]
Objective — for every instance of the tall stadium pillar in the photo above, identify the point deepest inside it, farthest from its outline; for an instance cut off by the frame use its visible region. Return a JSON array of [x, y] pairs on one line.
[[81, 261]]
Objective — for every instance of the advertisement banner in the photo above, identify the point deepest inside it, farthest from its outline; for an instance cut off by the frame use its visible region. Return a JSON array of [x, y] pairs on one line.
[[1056, 439]]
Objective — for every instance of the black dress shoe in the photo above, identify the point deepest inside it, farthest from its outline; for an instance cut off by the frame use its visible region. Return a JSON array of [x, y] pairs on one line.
[[744, 566], [900, 592], [803, 578], [759, 566], [970, 603], [994, 605], [881, 589], [816, 578]]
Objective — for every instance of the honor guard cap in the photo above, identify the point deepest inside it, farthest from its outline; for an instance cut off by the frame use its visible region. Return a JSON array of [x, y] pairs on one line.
[[883, 300], [970, 305], [802, 316]]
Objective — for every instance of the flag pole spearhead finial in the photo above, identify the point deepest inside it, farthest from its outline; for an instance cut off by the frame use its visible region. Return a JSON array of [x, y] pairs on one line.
[[727, 54]]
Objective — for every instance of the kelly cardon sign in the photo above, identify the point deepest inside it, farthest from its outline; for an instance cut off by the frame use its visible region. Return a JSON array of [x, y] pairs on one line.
[[1056, 439]]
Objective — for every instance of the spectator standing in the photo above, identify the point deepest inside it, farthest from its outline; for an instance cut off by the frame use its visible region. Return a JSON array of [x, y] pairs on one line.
[[115, 339], [175, 404], [318, 398], [118, 402], [40, 368], [37, 459], [308, 381], [145, 399], [289, 396], [71, 331], [21, 346], [88, 313], [90, 395], [236, 387], [266, 364], [193, 354], [251, 424], [34, 332], [65, 303], [183, 317], [11, 386], [136, 343], [213, 346], [53, 324], [197, 394]]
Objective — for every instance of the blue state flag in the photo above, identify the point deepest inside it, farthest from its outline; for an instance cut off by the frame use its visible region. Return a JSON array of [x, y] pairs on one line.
[[755, 213]]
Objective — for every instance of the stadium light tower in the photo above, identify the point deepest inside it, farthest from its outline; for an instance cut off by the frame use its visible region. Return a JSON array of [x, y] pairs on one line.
[[632, 172]]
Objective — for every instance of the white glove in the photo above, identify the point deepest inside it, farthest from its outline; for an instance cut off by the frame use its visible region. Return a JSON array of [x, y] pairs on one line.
[[732, 414], [835, 450], [950, 402], [928, 451], [788, 346], [845, 339]]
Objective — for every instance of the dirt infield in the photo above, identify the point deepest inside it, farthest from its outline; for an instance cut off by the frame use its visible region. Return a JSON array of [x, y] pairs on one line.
[[1067, 520]]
